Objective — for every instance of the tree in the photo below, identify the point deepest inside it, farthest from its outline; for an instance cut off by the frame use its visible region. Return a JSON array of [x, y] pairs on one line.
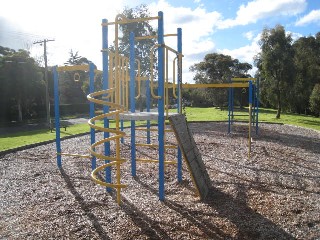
[[315, 100], [219, 68], [142, 47], [74, 84], [75, 59], [275, 62], [307, 64], [143, 28], [20, 82]]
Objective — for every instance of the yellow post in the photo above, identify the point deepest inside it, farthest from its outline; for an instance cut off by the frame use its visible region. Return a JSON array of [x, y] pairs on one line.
[[174, 78], [151, 71], [127, 84], [111, 58], [139, 79], [166, 102], [118, 162]]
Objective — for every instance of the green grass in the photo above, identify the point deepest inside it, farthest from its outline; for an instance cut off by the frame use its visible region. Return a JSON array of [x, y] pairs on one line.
[[11, 141], [265, 115]]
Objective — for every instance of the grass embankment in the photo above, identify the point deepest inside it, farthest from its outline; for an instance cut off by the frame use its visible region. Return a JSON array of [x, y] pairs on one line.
[[15, 140]]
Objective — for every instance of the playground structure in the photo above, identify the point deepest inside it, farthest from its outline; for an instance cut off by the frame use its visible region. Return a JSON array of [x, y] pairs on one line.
[[121, 79]]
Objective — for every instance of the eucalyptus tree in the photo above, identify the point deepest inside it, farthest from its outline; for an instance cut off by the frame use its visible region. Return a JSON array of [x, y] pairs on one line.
[[275, 62], [307, 64], [143, 47], [219, 68], [142, 28]]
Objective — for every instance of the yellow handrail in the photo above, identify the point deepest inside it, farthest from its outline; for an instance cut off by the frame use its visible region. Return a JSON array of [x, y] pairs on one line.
[[151, 71], [166, 103], [139, 79], [174, 78], [126, 20]]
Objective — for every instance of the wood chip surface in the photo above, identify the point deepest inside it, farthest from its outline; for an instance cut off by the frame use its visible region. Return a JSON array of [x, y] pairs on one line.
[[273, 195]]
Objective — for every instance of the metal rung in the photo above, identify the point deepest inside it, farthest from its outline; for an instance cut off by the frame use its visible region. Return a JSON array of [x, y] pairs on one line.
[[153, 129], [154, 145], [74, 155], [153, 161]]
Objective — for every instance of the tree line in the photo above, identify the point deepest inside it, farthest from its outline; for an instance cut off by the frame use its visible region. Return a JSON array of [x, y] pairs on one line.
[[22, 86], [22, 83], [289, 73]]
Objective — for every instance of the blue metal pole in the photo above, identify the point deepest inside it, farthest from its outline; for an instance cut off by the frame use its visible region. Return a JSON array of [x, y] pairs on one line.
[[148, 96], [257, 105], [121, 96], [254, 102], [57, 115], [250, 92], [250, 115], [92, 131], [105, 86], [132, 105], [179, 43], [121, 128], [161, 105], [121, 120]]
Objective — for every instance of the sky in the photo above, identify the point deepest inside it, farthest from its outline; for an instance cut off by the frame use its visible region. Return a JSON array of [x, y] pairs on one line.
[[230, 27]]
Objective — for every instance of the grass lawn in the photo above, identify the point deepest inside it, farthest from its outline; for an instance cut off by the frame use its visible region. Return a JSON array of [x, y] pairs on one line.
[[265, 115], [15, 140]]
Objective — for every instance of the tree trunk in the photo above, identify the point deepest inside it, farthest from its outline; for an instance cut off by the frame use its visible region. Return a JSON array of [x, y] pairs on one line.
[[279, 104], [19, 111]]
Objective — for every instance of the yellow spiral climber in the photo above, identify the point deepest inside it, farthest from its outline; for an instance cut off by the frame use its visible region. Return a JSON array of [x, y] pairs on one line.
[[115, 135]]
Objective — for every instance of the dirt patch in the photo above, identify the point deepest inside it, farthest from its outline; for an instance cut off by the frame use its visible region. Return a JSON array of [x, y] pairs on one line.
[[273, 195]]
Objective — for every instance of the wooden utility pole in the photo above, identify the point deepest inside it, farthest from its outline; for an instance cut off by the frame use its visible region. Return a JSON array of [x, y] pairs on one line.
[[44, 42]]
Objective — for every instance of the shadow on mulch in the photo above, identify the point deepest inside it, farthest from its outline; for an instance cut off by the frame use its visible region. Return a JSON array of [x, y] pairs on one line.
[[148, 226], [84, 206], [263, 227], [262, 185], [291, 140], [225, 204]]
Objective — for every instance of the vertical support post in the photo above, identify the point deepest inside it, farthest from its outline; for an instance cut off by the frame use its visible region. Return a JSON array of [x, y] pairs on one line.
[[105, 86], [179, 43], [161, 105], [253, 117], [250, 117], [92, 131], [57, 115], [121, 128], [132, 105], [148, 101], [257, 105], [232, 105], [229, 110]]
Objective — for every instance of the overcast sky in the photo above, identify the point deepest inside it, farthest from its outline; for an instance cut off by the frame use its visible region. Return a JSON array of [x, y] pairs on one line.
[[230, 27]]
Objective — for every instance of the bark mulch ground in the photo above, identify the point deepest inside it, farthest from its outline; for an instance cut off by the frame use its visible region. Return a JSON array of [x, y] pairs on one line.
[[273, 195]]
